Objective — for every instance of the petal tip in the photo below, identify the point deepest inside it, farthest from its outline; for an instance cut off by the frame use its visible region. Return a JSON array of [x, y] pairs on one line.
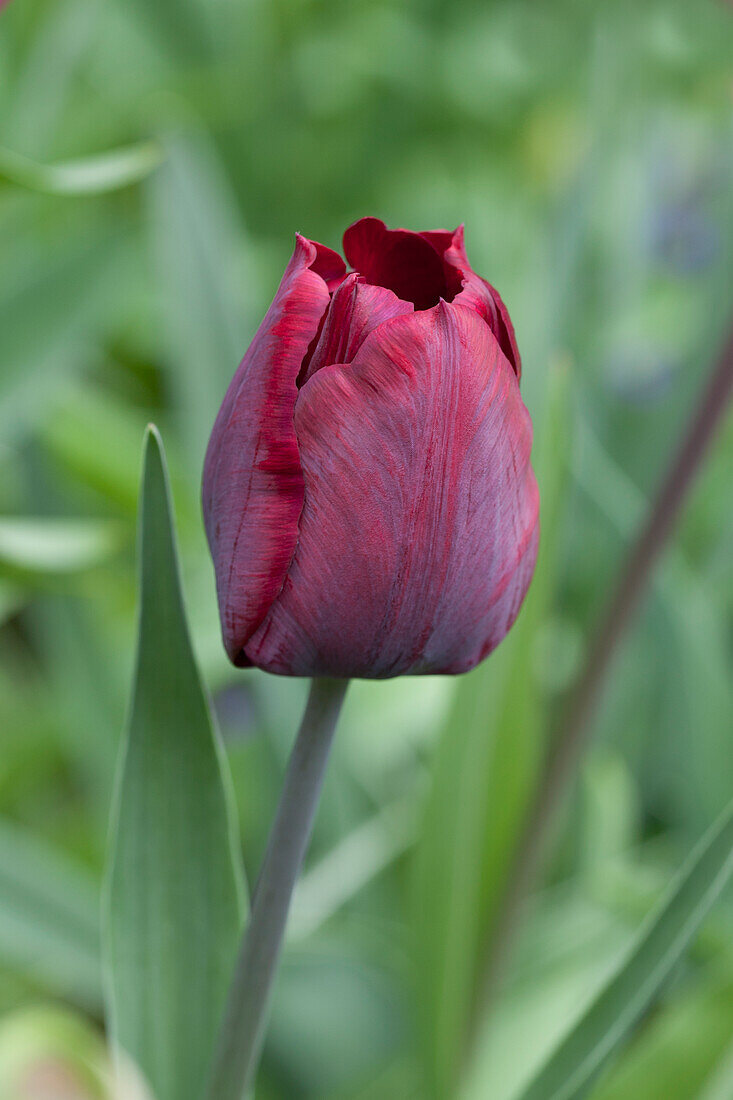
[[301, 241]]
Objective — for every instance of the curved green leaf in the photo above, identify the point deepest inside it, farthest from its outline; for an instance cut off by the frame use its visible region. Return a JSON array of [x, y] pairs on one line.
[[49, 910], [195, 235], [54, 546], [572, 1068], [681, 1047], [720, 1085], [87, 176], [173, 904]]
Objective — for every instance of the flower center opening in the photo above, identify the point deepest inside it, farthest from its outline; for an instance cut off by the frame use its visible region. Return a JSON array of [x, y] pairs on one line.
[[403, 262]]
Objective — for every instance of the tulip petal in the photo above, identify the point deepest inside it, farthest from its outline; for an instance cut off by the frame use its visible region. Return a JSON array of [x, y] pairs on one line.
[[253, 482], [402, 261], [469, 289], [418, 533], [356, 309], [328, 264], [399, 260]]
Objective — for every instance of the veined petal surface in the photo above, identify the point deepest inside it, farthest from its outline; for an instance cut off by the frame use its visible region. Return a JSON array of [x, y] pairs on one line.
[[419, 530], [253, 482], [356, 309], [469, 289]]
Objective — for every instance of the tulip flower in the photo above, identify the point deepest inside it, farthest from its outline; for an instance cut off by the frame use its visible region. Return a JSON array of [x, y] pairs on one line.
[[368, 495]]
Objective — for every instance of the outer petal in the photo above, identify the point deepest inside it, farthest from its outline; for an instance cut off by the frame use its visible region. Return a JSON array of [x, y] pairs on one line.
[[253, 482], [469, 289], [419, 530], [356, 309]]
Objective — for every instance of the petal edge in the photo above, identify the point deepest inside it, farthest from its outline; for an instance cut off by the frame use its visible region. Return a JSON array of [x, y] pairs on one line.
[[253, 482]]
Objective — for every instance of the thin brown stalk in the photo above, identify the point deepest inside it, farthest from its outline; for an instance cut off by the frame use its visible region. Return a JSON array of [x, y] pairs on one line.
[[567, 745]]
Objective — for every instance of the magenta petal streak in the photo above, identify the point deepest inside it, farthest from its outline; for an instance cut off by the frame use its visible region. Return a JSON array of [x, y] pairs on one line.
[[418, 533], [253, 482]]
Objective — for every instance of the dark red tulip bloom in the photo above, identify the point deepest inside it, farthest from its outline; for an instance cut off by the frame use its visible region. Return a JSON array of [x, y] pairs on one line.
[[368, 496]]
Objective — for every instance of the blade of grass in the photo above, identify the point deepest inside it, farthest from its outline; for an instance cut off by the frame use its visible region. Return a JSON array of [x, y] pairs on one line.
[[44, 546], [573, 1067], [697, 622], [194, 229], [680, 1047], [94, 175], [49, 317], [49, 926], [363, 854], [720, 1085], [567, 746], [173, 900]]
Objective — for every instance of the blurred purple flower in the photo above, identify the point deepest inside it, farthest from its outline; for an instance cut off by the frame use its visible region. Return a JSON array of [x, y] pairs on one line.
[[683, 237]]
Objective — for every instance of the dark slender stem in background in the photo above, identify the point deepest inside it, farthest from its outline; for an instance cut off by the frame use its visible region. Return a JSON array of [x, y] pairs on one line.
[[567, 745], [243, 1029]]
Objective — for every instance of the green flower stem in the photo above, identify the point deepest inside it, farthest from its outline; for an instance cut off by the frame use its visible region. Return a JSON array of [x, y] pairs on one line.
[[243, 1028]]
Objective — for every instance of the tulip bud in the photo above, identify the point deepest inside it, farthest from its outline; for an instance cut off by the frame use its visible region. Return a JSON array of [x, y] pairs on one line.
[[368, 495]]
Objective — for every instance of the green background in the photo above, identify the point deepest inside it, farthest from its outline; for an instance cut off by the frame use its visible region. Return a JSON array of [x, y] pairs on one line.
[[587, 147]]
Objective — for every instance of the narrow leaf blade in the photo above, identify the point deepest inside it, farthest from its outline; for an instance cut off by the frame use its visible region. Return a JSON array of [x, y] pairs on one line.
[[573, 1066], [95, 175], [49, 917], [54, 546], [194, 233], [173, 906]]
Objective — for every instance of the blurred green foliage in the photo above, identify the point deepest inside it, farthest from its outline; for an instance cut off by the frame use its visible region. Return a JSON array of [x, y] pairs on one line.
[[587, 146]]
